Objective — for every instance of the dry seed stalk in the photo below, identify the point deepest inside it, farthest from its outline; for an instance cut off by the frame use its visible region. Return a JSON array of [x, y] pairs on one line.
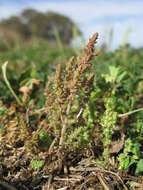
[[65, 89]]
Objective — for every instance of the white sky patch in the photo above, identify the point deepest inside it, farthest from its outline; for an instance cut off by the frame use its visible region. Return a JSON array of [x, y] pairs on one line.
[[90, 14], [86, 10], [119, 31], [6, 11]]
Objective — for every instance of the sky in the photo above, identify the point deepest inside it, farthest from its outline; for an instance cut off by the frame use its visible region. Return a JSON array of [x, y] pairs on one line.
[[122, 16]]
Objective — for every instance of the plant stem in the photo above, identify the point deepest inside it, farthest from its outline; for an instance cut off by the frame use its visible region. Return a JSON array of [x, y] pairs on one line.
[[130, 112], [4, 68]]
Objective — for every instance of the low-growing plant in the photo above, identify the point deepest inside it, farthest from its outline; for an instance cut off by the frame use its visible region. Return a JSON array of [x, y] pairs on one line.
[[67, 95], [108, 121], [36, 164], [132, 154]]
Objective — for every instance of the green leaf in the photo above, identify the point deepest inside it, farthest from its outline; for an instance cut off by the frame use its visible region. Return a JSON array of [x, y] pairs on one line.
[[2, 111], [136, 150], [121, 76], [126, 162], [111, 76], [139, 168], [1, 128], [37, 164], [128, 145], [45, 138]]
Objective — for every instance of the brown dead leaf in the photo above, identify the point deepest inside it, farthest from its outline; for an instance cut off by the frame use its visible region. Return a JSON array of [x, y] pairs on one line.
[[12, 133], [26, 92], [117, 145], [36, 82], [12, 109], [136, 185]]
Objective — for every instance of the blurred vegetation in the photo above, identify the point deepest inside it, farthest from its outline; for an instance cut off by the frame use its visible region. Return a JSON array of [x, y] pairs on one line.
[[34, 25]]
